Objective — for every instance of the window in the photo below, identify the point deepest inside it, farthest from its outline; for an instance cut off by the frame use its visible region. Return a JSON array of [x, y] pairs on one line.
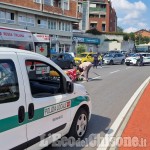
[[93, 25], [30, 21], [10, 17], [48, 2], [37, 1], [66, 5], [2, 16], [103, 27], [22, 20], [42, 23], [52, 25], [59, 25], [63, 26], [66, 29], [103, 16], [9, 89], [26, 20], [44, 79], [79, 8]]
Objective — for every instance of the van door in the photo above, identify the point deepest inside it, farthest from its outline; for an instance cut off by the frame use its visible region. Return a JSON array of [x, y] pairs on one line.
[[12, 104], [48, 107]]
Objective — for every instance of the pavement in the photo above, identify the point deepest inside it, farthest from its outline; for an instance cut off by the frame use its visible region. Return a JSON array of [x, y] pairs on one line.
[[137, 129]]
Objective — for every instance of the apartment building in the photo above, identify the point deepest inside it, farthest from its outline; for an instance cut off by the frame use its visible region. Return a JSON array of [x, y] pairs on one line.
[[99, 14], [52, 17], [143, 33]]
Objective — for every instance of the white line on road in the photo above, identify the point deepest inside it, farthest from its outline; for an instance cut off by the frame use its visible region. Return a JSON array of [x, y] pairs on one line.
[[129, 67], [114, 71], [105, 143], [91, 79]]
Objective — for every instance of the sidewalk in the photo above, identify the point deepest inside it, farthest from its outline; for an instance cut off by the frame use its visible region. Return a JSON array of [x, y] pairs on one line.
[[137, 130]]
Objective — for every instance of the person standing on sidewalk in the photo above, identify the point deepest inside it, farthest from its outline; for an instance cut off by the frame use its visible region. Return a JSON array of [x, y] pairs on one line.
[[141, 60], [95, 61], [84, 69]]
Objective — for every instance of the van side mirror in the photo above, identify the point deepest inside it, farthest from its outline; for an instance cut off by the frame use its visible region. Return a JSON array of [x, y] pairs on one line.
[[70, 87]]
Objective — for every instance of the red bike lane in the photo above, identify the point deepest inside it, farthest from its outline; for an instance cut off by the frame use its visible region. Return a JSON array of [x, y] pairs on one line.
[[136, 135]]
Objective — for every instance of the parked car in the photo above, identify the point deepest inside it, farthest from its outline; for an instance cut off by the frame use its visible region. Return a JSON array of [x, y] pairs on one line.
[[114, 58], [71, 53], [64, 60], [35, 106], [84, 57], [135, 59]]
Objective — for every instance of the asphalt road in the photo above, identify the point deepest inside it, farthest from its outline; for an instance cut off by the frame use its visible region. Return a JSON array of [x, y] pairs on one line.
[[110, 89]]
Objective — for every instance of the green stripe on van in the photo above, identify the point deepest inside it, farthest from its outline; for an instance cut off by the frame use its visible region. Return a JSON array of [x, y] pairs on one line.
[[12, 122]]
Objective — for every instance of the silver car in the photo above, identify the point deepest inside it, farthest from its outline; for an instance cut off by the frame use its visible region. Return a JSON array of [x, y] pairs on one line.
[[115, 58]]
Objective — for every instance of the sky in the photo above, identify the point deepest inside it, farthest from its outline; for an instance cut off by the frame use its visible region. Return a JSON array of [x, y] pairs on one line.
[[133, 15]]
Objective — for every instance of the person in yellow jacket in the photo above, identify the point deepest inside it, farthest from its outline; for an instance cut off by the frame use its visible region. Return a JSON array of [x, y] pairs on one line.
[[100, 58]]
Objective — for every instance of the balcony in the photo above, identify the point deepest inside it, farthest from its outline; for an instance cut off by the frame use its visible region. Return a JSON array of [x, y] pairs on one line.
[[94, 9], [52, 9]]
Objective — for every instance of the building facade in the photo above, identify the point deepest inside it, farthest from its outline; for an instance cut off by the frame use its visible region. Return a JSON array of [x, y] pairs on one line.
[[89, 41], [99, 14], [51, 17], [143, 33]]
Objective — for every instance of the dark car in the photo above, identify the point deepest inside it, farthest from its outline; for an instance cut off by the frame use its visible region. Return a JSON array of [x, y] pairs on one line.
[[64, 60]]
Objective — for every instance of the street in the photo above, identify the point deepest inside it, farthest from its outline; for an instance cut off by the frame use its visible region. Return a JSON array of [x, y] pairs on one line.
[[109, 93]]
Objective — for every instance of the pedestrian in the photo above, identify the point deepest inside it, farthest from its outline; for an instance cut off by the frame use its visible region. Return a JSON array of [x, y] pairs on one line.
[[141, 60], [100, 58], [95, 60], [84, 69]]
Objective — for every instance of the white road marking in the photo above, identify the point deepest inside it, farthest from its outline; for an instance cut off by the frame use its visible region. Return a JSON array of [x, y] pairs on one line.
[[129, 68], [108, 139], [114, 71], [91, 79]]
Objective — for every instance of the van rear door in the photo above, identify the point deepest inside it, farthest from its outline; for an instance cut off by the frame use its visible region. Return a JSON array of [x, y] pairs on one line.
[[12, 104]]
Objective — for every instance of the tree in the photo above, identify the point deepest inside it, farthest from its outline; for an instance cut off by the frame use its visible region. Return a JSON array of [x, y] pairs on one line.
[[81, 48], [132, 36], [126, 37], [94, 31]]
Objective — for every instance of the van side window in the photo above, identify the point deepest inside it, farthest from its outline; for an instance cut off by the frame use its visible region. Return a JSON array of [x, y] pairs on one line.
[[9, 88], [44, 79]]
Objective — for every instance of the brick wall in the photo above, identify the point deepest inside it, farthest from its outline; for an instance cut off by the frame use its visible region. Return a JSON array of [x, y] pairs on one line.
[[99, 22], [52, 9], [112, 21], [23, 3], [110, 15], [32, 5], [73, 9]]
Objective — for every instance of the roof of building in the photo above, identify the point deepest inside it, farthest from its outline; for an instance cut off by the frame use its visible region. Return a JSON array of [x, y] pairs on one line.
[[142, 31]]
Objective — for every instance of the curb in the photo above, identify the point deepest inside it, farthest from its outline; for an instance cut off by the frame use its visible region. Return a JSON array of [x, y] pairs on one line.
[[119, 124]]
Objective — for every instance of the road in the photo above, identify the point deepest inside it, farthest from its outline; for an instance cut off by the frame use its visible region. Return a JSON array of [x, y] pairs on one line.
[[110, 92]]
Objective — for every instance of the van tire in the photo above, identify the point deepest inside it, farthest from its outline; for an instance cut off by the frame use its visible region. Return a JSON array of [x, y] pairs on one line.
[[79, 124]]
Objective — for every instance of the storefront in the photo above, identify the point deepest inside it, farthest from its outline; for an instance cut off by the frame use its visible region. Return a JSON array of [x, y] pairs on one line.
[[91, 44], [61, 45]]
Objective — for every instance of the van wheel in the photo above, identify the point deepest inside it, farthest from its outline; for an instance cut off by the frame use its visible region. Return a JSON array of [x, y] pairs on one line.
[[79, 125]]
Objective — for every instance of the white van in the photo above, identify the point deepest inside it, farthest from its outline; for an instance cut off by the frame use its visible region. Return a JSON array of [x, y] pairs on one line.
[[36, 104]]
